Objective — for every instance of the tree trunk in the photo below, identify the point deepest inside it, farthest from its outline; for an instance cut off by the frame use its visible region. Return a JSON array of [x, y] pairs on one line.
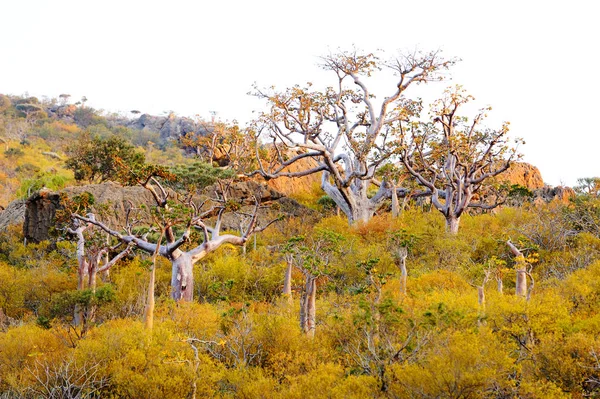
[[78, 317], [304, 309], [395, 204], [361, 213], [287, 281], [481, 296], [521, 268], [452, 223], [90, 316], [312, 308], [521, 285], [403, 278], [182, 278], [354, 203], [402, 254], [500, 286], [149, 309], [308, 307], [105, 276]]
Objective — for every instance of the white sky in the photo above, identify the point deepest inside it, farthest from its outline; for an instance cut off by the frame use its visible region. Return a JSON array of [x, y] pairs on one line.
[[535, 62]]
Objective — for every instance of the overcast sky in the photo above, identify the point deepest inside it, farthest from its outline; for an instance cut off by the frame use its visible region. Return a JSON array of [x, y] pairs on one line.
[[535, 62]]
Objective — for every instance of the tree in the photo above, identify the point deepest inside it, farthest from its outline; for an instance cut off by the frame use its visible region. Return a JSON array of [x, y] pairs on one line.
[[311, 255], [92, 248], [94, 159], [89, 264], [453, 157], [221, 143], [31, 111], [402, 242], [185, 215], [522, 272], [589, 186], [64, 99], [342, 128], [5, 103]]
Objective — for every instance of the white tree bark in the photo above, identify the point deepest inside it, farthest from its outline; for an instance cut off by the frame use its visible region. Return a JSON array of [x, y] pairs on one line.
[[287, 280], [521, 270], [308, 306], [452, 224], [402, 255], [318, 124], [395, 202]]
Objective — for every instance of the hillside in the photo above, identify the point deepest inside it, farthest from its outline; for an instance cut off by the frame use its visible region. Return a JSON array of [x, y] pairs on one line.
[[280, 297]]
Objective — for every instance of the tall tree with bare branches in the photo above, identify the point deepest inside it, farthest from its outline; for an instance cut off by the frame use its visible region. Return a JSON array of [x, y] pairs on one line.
[[344, 128], [194, 216], [453, 156]]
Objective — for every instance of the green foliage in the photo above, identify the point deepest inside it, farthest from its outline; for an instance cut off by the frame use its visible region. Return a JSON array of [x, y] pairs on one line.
[[94, 159], [49, 181], [197, 175], [14, 152], [326, 203]]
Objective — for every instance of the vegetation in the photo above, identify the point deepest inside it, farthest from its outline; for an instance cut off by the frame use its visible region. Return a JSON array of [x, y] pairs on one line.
[[372, 338], [392, 305]]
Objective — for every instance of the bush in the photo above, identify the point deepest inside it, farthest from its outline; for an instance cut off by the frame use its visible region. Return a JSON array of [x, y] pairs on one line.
[[14, 152]]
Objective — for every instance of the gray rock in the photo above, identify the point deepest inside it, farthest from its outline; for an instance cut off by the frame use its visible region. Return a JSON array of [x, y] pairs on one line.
[[14, 214], [113, 200]]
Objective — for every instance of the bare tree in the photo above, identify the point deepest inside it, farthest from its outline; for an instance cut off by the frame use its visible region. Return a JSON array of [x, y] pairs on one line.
[[64, 98], [522, 272], [487, 274], [402, 242], [453, 157], [89, 260], [342, 128], [67, 380], [312, 256], [182, 280]]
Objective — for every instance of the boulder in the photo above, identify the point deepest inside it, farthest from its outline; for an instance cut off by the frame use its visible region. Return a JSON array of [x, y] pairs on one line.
[[14, 214], [560, 194], [523, 174], [169, 127], [292, 185], [40, 209]]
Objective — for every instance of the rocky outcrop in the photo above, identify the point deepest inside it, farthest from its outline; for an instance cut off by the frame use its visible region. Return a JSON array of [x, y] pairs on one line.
[[559, 194], [14, 214], [292, 185], [111, 202], [523, 174], [529, 176], [40, 209], [66, 111], [169, 127]]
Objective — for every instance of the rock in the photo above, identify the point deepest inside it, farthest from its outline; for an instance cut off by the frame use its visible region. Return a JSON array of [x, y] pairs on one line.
[[52, 155], [523, 174], [112, 202], [559, 194], [293, 185], [40, 209], [169, 127], [14, 214]]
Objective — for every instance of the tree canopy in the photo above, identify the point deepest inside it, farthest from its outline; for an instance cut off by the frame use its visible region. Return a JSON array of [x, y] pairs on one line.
[[95, 159], [343, 128]]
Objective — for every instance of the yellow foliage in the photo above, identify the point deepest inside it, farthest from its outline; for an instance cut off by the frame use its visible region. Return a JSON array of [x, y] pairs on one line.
[[22, 348], [458, 364], [328, 380], [139, 363]]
